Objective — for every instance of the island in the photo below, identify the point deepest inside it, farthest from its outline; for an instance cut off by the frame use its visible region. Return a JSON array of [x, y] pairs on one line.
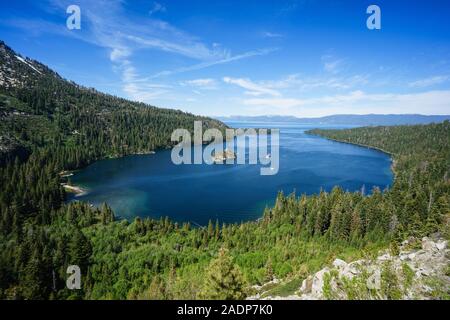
[[220, 157]]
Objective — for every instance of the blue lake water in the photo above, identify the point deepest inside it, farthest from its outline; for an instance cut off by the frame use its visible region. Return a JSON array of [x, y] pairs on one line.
[[152, 186]]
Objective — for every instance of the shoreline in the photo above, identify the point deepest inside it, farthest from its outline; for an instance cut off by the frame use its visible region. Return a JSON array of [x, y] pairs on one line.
[[361, 145], [116, 156], [78, 191], [390, 154]]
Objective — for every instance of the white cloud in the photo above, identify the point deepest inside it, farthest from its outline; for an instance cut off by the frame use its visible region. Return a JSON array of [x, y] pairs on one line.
[[272, 35], [191, 50], [297, 82], [139, 89], [207, 64], [332, 64], [106, 24], [252, 87], [201, 82], [157, 7], [206, 84], [356, 102], [119, 54], [427, 82]]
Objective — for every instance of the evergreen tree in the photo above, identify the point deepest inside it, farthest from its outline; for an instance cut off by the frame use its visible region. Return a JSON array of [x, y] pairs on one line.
[[223, 279]]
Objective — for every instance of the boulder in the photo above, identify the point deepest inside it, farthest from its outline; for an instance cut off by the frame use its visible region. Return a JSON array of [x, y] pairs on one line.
[[384, 257], [355, 267], [374, 280], [340, 264], [306, 285], [412, 256], [441, 245], [404, 257], [318, 281], [428, 244]]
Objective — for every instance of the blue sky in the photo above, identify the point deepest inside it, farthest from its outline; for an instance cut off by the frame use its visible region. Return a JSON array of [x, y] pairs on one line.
[[284, 57]]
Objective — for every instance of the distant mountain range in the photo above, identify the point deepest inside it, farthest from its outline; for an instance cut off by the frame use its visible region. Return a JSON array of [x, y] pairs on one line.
[[349, 119]]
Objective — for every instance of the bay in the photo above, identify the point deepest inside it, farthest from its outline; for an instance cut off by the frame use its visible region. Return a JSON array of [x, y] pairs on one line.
[[152, 186]]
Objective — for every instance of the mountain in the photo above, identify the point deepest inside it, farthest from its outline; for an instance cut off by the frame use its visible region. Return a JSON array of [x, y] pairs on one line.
[[40, 109], [349, 119]]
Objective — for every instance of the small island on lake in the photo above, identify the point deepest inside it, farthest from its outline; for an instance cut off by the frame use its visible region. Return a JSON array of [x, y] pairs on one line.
[[220, 157]]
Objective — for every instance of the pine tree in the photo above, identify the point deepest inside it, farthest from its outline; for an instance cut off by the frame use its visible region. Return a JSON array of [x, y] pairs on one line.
[[269, 270], [224, 280], [80, 250]]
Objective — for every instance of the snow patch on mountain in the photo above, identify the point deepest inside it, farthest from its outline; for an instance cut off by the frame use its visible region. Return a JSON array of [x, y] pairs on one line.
[[28, 64]]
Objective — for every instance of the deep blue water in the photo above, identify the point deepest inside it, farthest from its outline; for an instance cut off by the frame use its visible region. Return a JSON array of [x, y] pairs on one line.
[[152, 186]]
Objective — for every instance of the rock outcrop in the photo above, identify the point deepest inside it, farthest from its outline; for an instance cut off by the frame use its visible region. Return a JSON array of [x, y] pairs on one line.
[[419, 270]]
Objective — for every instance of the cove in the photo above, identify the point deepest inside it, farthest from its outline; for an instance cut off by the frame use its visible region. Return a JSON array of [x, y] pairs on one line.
[[152, 186]]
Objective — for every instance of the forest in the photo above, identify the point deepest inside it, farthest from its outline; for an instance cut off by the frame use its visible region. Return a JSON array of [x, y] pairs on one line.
[[49, 125]]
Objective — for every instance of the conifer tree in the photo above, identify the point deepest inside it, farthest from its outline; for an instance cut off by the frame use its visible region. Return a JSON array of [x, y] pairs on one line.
[[224, 280]]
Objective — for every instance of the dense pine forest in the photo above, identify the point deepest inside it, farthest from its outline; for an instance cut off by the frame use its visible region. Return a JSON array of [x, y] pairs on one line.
[[49, 125]]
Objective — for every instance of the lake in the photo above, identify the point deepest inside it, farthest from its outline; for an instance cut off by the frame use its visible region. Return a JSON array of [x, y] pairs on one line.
[[152, 186]]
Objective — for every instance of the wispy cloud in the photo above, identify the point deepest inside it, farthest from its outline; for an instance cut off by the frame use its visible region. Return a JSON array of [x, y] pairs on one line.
[[427, 82], [268, 34], [252, 88], [288, 7], [297, 83], [137, 88], [356, 102], [157, 7], [332, 64], [105, 23], [203, 84], [207, 64], [37, 27]]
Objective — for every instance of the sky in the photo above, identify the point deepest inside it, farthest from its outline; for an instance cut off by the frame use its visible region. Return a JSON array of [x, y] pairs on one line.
[[305, 58]]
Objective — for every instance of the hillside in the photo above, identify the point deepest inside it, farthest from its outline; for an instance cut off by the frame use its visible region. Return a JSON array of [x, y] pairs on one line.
[[418, 270], [38, 108]]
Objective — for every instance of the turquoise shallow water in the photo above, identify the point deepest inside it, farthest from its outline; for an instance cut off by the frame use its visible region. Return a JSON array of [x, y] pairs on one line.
[[152, 186]]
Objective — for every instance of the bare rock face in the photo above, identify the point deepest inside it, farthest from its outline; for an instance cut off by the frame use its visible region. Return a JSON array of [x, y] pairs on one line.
[[420, 271], [412, 273], [428, 244], [318, 281], [307, 284], [339, 264], [441, 245]]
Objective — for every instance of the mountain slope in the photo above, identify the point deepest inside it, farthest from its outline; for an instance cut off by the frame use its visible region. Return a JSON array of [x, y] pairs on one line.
[[38, 108]]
